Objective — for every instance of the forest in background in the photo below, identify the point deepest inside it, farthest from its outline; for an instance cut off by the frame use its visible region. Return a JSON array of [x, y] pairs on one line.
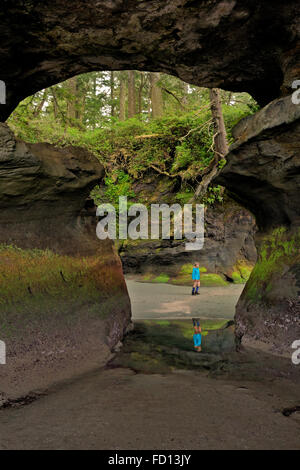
[[136, 122]]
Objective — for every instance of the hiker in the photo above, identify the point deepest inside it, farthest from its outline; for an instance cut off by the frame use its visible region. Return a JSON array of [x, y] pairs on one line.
[[196, 279], [197, 335]]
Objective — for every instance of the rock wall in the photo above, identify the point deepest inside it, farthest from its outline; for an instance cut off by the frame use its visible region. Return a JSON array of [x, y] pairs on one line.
[[263, 173], [64, 302]]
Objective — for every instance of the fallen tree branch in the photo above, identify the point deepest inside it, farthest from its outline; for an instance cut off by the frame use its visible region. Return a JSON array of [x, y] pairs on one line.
[[162, 172], [174, 96], [195, 129]]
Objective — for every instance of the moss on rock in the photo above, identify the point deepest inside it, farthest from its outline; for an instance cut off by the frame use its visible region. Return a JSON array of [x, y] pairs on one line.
[[237, 278], [161, 278], [211, 279], [278, 250], [36, 285]]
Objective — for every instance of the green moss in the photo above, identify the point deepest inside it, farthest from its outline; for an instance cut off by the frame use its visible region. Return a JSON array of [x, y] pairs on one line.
[[182, 280], [245, 272], [184, 197], [38, 284], [210, 279], [161, 278], [163, 322], [278, 250], [207, 280], [147, 277], [241, 272], [184, 276], [237, 279], [188, 269]]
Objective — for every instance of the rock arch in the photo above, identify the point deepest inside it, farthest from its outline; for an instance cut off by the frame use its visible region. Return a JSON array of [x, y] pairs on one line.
[[241, 46]]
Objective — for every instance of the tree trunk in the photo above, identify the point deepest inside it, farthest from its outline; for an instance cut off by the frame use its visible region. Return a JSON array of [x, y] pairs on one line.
[[219, 142], [156, 96], [95, 86], [39, 107], [131, 94], [149, 109], [55, 106], [112, 94], [220, 138], [140, 93], [185, 90], [122, 114], [57, 110], [72, 113], [82, 109]]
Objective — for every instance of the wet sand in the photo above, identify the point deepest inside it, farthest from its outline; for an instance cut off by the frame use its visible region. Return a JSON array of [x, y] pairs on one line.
[[118, 409], [154, 301]]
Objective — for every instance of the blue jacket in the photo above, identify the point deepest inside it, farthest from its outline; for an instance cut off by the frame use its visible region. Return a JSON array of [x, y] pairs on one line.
[[196, 274]]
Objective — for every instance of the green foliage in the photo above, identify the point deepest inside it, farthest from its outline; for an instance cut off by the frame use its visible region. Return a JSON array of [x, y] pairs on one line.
[[213, 195], [84, 111], [183, 156], [222, 163], [117, 185], [185, 196]]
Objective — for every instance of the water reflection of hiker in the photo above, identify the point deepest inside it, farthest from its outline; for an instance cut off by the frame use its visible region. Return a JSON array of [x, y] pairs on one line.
[[197, 335], [196, 279]]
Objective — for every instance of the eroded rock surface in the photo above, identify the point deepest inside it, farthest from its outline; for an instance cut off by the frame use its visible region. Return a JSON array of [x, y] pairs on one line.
[[64, 302], [241, 46], [263, 172]]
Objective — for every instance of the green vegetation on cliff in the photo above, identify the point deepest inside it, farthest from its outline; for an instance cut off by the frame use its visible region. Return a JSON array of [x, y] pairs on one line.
[[136, 123], [278, 250]]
